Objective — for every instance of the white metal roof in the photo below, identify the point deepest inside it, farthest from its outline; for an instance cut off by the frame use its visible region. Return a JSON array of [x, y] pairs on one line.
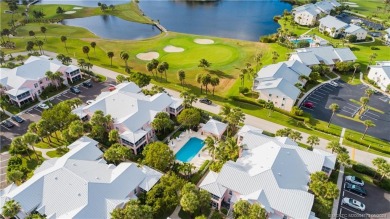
[[274, 172], [79, 185], [279, 87], [214, 127], [326, 54], [353, 28], [332, 22]]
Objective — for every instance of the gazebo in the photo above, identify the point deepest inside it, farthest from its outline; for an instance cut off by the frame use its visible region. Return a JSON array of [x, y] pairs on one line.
[[214, 128]]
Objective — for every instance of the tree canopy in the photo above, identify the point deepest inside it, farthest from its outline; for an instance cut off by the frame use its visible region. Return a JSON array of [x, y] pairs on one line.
[[133, 210], [189, 117], [158, 156]]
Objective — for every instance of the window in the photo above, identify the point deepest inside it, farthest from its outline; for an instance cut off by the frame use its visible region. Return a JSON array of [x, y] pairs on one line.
[[40, 82], [135, 191], [284, 98], [270, 95], [230, 192], [35, 85], [282, 104]]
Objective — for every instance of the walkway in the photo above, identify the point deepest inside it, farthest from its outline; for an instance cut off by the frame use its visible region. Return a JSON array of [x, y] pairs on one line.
[[337, 201], [360, 156], [175, 214]]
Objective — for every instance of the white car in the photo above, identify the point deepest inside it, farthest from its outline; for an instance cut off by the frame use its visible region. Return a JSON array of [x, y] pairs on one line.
[[355, 180], [353, 204], [333, 83], [90, 102], [43, 106]]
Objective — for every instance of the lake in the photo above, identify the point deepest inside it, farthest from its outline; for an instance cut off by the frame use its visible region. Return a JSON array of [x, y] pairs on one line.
[[246, 20], [111, 27]]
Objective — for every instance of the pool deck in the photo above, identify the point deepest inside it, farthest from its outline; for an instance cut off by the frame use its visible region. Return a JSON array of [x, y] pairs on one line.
[[200, 157]]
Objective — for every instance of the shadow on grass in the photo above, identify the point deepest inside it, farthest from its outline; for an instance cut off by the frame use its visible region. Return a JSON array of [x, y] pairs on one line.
[[219, 73]]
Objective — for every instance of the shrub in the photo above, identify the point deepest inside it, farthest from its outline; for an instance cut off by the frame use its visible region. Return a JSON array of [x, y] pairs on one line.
[[374, 48], [245, 100], [277, 17], [224, 211], [216, 215], [360, 168], [353, 140], [243, 90], [352, 38], [327, 131], [296, 111], [303, 44], [269, 134], [384, 184]]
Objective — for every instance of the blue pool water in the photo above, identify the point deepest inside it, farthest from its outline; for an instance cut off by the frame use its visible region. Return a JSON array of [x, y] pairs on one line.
[[296, 41], [190, 149]]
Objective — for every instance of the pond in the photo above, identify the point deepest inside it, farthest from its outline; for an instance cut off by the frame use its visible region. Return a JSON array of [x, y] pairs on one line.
[[239, 19], [111, 27]]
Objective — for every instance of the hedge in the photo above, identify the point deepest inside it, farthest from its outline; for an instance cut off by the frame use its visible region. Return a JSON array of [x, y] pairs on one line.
[[326, 131], [363, 169], [372, 146], [202, 170], [245, 100], [268, 133]]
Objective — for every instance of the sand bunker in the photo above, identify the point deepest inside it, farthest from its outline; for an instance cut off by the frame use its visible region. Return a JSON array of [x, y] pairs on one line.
[[204, 41], [147, 56], [173, 49], [70, 12], [77, 8]]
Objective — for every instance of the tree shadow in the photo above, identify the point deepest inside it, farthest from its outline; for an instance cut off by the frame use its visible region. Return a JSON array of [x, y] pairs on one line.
[[109, 66], [219, 73]]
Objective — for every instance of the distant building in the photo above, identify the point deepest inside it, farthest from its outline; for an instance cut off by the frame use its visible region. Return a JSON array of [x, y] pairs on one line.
[[326, 55], [307, 15], [358, 31], [80, 184], [337, 28], [273, 172], [132, 112], [24, 83], [387, 36], [276, 83], [380, 73]]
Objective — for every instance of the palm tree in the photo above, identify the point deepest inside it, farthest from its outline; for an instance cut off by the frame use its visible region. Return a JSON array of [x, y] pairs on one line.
[[332, 31], [364, 102], [275, 56], [161, 70], [30, 139], [150, 67], [270, 106], [64, 39], [125, 56], [10, 209], [199, 78], [214, 81], [110, 55], [334, 146], [43, 30], [39, 43], [20, 58], [50, 76], [258, 58], [203, 63], [93, 45], [166, 67], [187, 168], [372, 57], [244, 71], [32, 34], [206, 81], [378, 162], [313, 140], [86, 51], [57, 77], [369, 92], [188, 99], [368, 123], [334, 107], [181, 75], [356, 66], [211, 146]]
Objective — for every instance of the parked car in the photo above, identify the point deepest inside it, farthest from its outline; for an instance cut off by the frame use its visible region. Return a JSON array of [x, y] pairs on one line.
[[375, 91], [43, 106], [333, 83], [355, 189], [87, 84], [355, 180], [206, 101], [90, 102], [75, 90], [308, 105], [17, 119], [111, 88], [8, 124], [353, 204]]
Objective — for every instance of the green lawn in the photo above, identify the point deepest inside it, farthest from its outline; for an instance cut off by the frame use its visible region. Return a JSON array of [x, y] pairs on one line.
[[370, 8], [55, 142]]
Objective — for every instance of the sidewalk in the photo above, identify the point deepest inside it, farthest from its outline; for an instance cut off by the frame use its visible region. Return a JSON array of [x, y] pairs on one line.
[[337, 201]]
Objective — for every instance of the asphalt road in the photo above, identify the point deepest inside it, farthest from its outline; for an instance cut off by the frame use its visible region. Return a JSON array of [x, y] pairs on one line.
[[325, 95]]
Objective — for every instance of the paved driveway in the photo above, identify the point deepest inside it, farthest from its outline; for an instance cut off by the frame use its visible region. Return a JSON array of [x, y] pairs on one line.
[[325, 95], [3, 169], [377, 203], [34, 114]]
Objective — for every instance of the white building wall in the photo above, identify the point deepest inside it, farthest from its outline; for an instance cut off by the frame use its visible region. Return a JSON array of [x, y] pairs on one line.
[[379, 77]]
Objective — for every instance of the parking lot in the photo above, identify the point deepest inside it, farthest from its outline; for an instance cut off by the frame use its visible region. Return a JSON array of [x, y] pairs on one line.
[[377, 203], [34, 114], [342, 95], [347, 19]]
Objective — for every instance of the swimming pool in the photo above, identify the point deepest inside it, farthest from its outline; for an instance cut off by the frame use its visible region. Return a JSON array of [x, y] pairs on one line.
[[298, 40], [190, 149]]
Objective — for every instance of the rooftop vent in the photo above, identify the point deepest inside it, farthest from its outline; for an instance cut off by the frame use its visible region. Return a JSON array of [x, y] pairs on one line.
[[279, 174], [55, 178], [79, 194]]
